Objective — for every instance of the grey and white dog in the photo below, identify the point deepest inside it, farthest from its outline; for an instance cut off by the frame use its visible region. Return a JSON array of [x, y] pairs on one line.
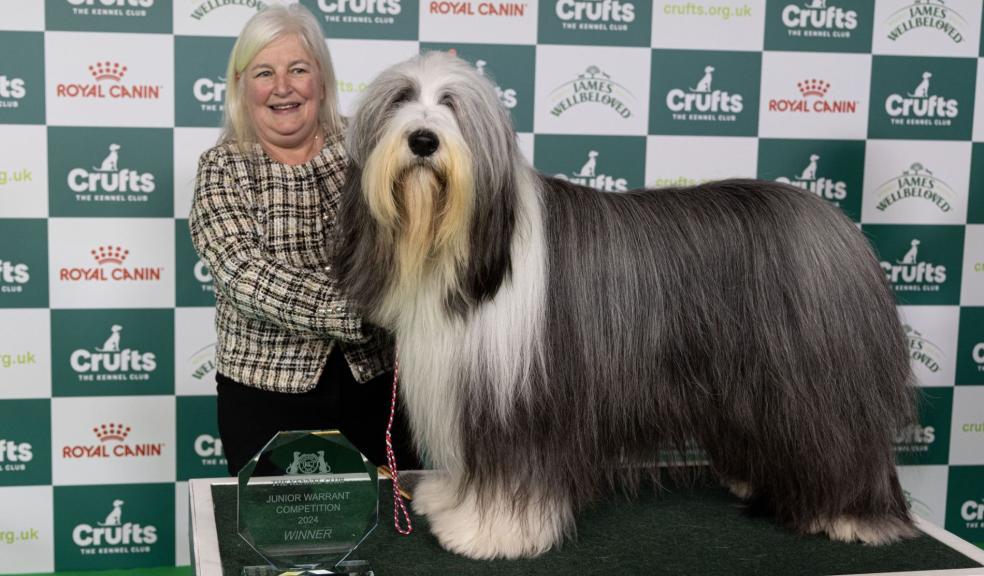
[[554, 339]]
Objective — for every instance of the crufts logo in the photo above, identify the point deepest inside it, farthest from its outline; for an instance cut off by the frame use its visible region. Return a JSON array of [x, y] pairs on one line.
[[109, 84], [931, 14], [916, 182], [973, 513], [588, 175], [702, 102], [923, 351], [814, 100], [113, 536], [111, 445], [818, 19], [920, 108], [14, 456], [808, 179], [210, 93], [507, 97], [978, 355], [110, 362], [592, 86], [912, 275], [108, 182], [11, 91], [468, 8], [360, 11], [915, 439], [106, 256], [209, 449], [13, 276], [607, 15]]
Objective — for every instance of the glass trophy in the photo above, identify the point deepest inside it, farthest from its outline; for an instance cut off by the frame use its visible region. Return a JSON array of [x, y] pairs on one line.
[[306, 501]]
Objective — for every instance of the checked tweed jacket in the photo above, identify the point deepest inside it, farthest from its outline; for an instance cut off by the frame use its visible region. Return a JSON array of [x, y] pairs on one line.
[[266, 231]]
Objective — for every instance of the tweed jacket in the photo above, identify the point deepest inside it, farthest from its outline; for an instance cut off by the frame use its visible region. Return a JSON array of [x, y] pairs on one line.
[[266, 231]]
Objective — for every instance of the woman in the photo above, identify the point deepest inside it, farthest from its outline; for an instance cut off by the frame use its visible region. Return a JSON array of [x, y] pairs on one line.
[[291, 354]]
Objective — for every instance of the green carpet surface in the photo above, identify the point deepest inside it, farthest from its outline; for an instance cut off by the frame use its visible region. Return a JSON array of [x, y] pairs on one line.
[[700, 530]]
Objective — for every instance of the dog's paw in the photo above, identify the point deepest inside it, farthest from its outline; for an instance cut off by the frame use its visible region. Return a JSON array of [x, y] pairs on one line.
[[500, 529], [739, 488], [875, 532], [434, 493]]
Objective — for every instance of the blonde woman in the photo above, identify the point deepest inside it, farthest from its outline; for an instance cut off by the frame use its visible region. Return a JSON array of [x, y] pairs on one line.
[[291, 354]]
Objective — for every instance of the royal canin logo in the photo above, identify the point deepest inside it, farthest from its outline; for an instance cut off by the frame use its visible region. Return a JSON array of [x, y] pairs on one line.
[[111, 444], [110, 269], [108, 84], [814, 100], [479, 8]]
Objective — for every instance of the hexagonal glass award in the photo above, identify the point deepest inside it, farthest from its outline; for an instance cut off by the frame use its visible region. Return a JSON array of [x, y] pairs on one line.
[[306, 501]]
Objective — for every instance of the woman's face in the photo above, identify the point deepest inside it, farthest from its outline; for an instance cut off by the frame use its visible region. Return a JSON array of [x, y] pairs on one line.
[[284, 93]]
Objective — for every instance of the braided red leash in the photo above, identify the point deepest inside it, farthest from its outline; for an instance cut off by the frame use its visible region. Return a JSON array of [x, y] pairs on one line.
[[398, 505]]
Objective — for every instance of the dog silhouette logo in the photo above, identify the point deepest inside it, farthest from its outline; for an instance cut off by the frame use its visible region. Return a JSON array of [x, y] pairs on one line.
[[810, 172], [922, 90], [589, 167], [111, 162], [912, 254], [308, 463], [112, 343], [816, 4], [704, 86], [115, 516]]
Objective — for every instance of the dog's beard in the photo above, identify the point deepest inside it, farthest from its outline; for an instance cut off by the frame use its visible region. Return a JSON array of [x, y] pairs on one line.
[[423, 208]]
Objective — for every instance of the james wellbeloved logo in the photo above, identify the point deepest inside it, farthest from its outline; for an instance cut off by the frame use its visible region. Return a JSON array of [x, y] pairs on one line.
[[23, 264], [706, 93], [606, 163], [922, 263], [106, 527], [389, 19], [106, 81], [813, 100], [110, 267], [819, 25], [22, 98], [112, 352], [916, 183], [927, 441], [923, 351], [933, 15], [209, 8], [607, 22], [25, 441], [593, 87], [109, 15], [924, 98]]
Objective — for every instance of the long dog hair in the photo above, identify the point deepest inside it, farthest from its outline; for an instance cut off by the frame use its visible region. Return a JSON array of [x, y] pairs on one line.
[[554, 340]]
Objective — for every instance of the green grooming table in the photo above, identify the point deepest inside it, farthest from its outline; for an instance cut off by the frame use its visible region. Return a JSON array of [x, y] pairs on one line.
[[700, 530]]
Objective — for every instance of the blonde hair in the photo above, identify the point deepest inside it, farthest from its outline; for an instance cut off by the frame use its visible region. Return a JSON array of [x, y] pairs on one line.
[[263, 28]]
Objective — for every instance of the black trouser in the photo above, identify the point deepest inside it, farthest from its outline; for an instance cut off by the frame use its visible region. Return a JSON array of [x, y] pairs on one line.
[[249, 417]]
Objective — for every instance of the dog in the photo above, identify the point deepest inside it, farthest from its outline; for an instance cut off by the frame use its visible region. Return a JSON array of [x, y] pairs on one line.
[[922, 90], [589, 167], [553, 340], [112, 343], [115, 515], [705, 81]]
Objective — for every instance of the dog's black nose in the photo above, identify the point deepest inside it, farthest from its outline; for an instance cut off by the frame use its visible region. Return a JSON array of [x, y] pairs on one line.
[[423, 142]]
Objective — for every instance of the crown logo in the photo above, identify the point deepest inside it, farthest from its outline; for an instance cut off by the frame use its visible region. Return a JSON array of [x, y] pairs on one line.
[[110, 432], [107, 71], [813, 87], [110, 254]]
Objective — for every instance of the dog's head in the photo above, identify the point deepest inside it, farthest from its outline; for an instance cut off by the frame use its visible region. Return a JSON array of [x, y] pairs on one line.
[[430, 197]]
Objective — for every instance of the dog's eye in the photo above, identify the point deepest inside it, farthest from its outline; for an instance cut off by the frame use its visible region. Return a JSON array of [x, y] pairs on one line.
[[448, 101], [402, 96]]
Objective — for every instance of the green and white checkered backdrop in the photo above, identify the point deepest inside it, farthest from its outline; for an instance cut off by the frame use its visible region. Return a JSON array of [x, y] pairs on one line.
[[107, 345]]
